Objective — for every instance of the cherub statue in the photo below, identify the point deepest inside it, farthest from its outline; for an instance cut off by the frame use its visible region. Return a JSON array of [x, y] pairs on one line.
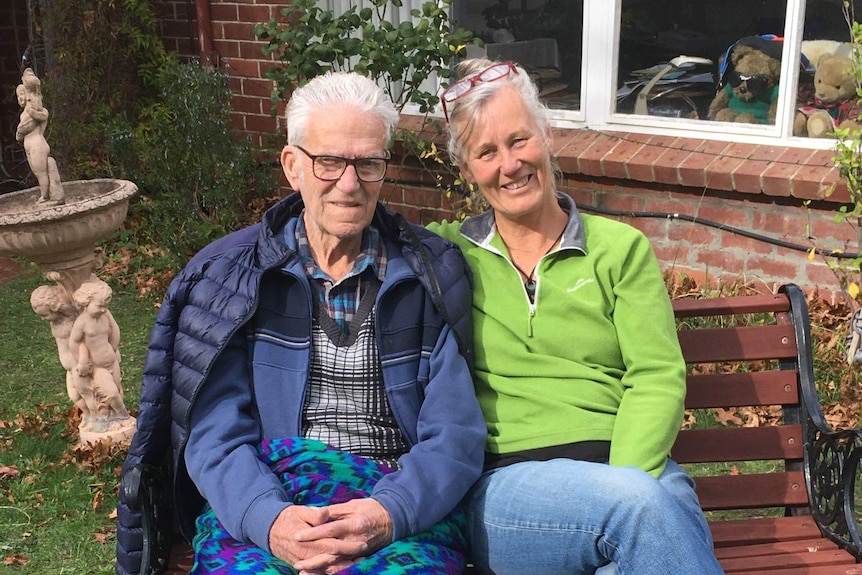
[[31, 134], [52, 303], [94, 342]]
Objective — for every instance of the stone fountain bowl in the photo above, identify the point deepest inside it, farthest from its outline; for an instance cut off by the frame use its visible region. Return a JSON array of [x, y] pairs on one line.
[[63, 237]]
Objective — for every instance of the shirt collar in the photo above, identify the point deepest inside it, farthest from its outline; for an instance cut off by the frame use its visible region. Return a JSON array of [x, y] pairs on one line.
[[372, 254]]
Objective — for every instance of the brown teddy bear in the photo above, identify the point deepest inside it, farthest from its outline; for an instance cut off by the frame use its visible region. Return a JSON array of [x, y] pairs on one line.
[[833, 102], [748, 92]]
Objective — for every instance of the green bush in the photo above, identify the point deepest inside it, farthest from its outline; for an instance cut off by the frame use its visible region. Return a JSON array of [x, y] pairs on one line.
[[103, 56], [196, 181], [312, 41]]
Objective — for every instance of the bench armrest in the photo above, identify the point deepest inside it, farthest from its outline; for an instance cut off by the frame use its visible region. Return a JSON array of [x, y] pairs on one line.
[[146, 489], [832, 469]]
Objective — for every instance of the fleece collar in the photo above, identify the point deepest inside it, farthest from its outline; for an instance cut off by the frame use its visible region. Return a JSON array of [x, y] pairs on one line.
[[481, 229]]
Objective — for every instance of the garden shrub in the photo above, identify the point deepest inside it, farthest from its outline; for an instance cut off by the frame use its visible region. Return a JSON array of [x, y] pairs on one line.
[[196, 181]]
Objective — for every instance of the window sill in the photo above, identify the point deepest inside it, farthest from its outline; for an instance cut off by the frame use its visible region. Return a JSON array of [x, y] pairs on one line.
[[805, 174], [801, 173]]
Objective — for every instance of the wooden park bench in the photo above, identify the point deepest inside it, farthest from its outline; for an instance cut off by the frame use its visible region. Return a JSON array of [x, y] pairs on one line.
[[790, 513]]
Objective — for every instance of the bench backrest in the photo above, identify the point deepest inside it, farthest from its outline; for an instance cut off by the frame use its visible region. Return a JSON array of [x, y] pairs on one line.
[[745, 352]]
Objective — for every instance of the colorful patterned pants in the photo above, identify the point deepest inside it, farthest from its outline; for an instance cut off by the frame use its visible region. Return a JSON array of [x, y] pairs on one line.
[[315, 474]]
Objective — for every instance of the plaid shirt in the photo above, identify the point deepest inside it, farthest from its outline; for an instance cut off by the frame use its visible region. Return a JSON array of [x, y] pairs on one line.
[[340, 299]]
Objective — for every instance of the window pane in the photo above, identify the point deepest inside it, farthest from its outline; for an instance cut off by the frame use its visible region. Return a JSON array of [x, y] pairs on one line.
[[543, 36], [671, 54], [832, 101]]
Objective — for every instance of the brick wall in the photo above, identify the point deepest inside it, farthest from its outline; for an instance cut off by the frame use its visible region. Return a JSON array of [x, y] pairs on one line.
[[762, 189], [701, 240], [235, 50]]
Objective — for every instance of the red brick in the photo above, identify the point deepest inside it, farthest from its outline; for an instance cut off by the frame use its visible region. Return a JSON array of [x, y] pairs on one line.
[[589, 161], [692, 172], [237, 30], [640, 166], [254, 14], [840, 193], [830, 234], [768, 153], [255, 87], [773, 267], [808, 183], [244, 68], [820, 275], [732, 241], [615, 162], [712, 147], [229, 51], [654, 229], [260, 123], [777, 179], [795, 156], [694, 234], [622, 202], [690, 144], [739, 150], [583, 139], [718, 173], [254, 51], [715, 261], [747, 176], [247, 105], [822, 158], [225, 13], [562, 137], [737, 218], [636, 138], [666, 167]]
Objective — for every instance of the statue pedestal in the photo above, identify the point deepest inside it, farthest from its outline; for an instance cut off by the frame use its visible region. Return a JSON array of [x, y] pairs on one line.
[[117, 431]]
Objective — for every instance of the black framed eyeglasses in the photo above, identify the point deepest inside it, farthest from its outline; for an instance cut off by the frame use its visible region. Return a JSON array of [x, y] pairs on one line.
[[756, 83], [461, 87], [331, 168]]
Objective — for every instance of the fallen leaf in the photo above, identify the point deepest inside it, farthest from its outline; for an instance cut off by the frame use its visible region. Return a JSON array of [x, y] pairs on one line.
[[15, 560], [8, 471]]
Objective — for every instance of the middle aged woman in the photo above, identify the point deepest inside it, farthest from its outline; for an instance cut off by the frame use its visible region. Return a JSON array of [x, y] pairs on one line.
[[577, 365]]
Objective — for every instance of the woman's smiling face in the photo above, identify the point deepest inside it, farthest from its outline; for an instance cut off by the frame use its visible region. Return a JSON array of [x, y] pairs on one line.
[[507, 156]]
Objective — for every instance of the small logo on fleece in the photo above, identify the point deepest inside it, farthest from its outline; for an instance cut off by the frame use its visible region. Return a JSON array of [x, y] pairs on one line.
[[581, 283]]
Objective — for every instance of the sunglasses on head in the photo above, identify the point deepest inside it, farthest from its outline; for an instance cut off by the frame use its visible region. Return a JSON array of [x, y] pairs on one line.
[[462, 87], [755, 83]]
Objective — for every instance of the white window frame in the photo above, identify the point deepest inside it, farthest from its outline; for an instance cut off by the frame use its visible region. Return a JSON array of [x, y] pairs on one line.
[[600, 55]]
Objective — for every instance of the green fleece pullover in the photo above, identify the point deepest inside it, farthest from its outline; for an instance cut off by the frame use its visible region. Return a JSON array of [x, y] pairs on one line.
[[596, 357]]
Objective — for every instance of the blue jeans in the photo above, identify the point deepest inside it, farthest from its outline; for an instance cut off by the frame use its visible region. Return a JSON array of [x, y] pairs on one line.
[[566, 517]]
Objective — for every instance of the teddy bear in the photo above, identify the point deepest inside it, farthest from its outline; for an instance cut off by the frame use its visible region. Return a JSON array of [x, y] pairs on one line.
[[748, 92], [833, 102]]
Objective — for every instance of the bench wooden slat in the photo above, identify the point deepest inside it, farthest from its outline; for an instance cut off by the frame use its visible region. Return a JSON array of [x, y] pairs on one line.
[[752, 491], [844, 569], [738, 343], [772, 563], [763, 303], [737, 389], [795, 546], [736, 532], [738, 444]]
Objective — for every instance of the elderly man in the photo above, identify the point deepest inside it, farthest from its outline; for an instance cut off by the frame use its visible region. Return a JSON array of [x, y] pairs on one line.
[[317, 366]]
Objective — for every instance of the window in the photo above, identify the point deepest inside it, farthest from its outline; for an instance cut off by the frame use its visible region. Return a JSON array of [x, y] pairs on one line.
[[655, 65]]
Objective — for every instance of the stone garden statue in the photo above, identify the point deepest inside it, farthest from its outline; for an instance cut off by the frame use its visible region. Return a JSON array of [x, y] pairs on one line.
[[56, 227], [87, 338], [31, 134]]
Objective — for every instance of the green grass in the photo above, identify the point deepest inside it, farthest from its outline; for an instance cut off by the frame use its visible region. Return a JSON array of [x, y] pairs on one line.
[[56, 501]]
